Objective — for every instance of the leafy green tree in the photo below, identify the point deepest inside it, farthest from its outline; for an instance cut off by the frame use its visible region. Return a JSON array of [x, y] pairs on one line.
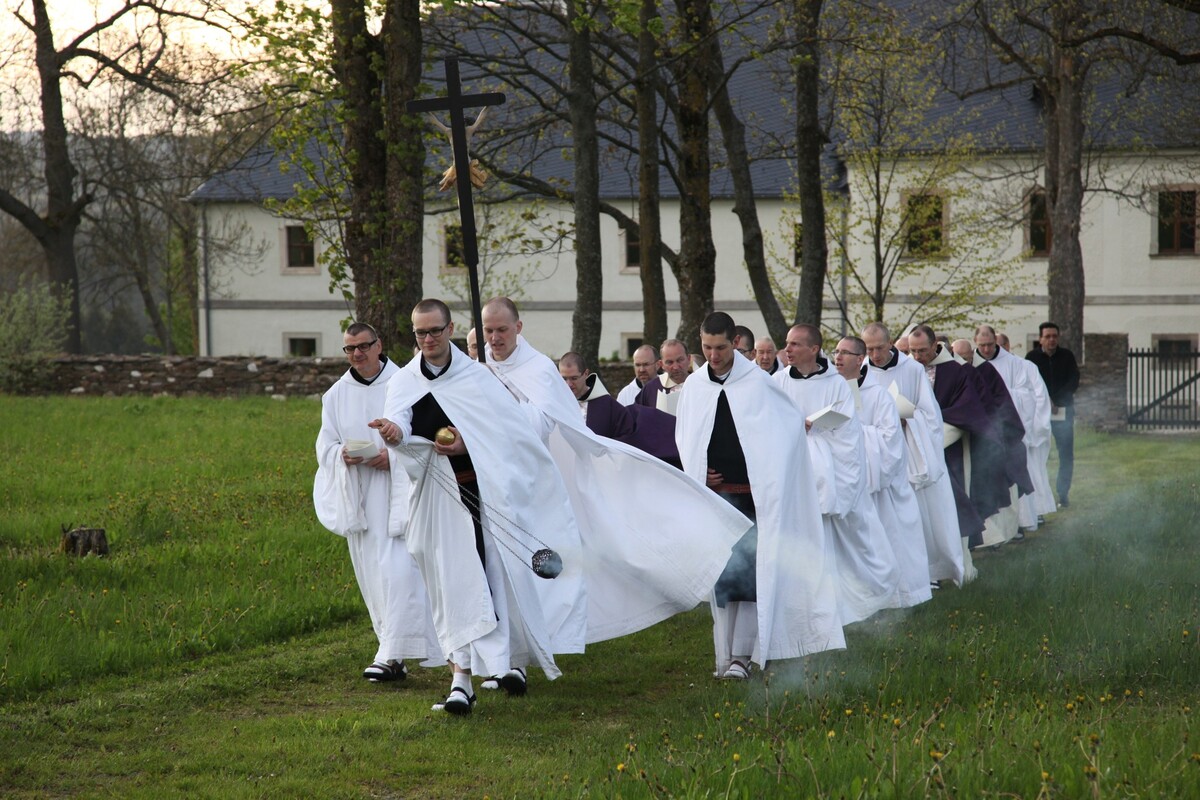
[[31, 329], [339, 82], [912, 238]]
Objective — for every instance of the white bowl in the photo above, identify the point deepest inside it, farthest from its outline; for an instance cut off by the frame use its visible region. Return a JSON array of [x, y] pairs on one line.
[[361, 448]]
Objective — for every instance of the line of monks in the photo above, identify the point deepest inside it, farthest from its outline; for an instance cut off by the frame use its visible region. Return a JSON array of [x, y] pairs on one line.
[[796, 492]]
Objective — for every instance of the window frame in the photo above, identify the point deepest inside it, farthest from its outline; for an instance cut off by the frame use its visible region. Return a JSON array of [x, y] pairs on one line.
[[285, 252], [623, 245], [1156, 219], [445, 237], [289, 336], [943, 251], [1031, 249]]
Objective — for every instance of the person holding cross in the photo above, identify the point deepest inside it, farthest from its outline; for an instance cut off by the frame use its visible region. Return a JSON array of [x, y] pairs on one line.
[[485, 495]]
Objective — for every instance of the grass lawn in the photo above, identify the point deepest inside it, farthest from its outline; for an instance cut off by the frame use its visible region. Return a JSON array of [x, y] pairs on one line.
[[216, 652]]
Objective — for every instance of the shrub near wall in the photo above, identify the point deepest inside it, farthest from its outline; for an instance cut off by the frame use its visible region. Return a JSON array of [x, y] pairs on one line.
[[231, 376]]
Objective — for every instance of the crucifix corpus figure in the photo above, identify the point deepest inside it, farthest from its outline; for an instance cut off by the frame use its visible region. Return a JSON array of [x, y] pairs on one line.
[[479, 175], [454, 102]]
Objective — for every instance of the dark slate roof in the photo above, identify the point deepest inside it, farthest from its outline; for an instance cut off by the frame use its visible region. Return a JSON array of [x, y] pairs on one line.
[[1000, 121], [259, 175]]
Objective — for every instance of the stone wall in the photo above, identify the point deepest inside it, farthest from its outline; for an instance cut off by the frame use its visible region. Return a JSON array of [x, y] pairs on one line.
[[191, 375], [615, 375], [1102, 400], [227, 376]]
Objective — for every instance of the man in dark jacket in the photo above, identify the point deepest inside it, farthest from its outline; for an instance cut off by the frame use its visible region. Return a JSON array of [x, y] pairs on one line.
[[1061, 374]]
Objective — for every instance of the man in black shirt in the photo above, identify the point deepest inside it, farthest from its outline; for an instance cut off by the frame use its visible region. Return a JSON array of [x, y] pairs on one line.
[[1061, 374]]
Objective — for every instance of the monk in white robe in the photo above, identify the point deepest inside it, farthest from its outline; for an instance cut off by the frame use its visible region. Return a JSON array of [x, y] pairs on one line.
[[654, 539], [905, 381], [868, 580], [784, 603], [1037, 442], [353, 498], [1006, 524], [886, 471], [483, 502]]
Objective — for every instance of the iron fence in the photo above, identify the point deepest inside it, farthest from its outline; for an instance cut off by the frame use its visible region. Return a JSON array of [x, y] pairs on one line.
[[1164, 388]]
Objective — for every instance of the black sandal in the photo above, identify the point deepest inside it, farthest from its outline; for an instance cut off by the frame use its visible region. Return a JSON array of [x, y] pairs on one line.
[[514, 683], [381, 671], [458, 702]]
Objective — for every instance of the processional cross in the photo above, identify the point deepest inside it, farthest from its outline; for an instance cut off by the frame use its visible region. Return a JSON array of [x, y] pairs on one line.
[[454, 102]]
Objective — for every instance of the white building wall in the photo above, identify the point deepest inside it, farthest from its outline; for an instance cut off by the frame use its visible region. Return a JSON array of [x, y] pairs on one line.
[[1129, 288]]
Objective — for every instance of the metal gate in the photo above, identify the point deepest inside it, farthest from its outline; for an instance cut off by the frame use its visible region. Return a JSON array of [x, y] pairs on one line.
[[1164, 388]]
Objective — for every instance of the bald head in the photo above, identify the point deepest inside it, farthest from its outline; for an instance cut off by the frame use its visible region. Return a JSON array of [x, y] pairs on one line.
[[963, 348], [803, 346], [879, 343], [501, 327], [645, 363], [985, 341], [922, 343]]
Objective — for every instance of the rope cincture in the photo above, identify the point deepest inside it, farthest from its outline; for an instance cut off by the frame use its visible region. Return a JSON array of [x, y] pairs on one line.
[[544, 562]]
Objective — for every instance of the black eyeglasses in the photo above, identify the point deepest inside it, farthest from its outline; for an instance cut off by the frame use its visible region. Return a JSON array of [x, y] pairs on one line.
[[434, 332], [362, 348]]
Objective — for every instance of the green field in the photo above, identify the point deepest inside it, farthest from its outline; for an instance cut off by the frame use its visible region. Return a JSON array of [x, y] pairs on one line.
[[216, 652]]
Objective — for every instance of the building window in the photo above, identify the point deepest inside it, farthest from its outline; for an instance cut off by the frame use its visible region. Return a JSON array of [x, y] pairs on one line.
[[630, 248], [301, 346], [798, 245], [630, 342], [453, 261], [633, 250], [300, 252], [925, 226], [1040, 235], [1175, 348], [1177, 222]]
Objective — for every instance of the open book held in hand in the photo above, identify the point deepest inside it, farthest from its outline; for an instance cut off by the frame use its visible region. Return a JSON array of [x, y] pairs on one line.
[[904, 406], [826, 419]]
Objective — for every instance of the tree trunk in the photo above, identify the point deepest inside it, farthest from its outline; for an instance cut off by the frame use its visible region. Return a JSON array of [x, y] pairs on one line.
[[581, 104], [654, 294], [696, 270], [355, 52], [814, 257], [63, 209], [1064, 194], [733, 133], [402, 275], [187, 283]]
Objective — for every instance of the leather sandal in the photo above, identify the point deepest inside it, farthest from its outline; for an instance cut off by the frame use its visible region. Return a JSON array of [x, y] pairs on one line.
[[458, 702], [382, 671], [514, 682], [737, 671]]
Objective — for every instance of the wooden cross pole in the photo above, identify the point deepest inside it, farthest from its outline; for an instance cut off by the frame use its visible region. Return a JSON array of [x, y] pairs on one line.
[[454, 102]]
